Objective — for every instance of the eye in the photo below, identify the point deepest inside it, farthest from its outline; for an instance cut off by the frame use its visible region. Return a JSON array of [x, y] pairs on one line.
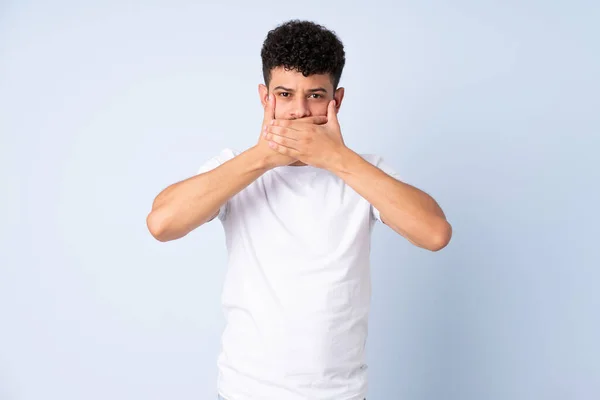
[[317, 96], [284, 94]]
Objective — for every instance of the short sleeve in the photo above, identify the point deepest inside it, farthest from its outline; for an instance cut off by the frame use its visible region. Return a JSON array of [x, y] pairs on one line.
[[380, 163], [225, 155]]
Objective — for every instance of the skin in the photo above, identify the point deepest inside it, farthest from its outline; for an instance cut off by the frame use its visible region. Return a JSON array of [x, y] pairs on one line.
[[300, 127], [409, 211], [298, 97]]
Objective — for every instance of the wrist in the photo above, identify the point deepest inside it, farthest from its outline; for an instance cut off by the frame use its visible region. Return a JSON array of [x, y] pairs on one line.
[[261, 160], [341, 161]]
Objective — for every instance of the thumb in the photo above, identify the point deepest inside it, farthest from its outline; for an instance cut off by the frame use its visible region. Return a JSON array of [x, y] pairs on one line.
[[332, 113], [270, 108]]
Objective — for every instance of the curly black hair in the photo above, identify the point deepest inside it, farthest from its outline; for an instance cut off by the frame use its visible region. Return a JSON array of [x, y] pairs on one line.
[[305, 47]]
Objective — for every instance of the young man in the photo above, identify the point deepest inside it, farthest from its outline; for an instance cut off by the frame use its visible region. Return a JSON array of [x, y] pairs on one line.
[[297, 209]]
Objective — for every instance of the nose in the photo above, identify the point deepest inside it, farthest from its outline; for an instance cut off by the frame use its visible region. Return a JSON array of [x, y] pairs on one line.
[[299, 109]]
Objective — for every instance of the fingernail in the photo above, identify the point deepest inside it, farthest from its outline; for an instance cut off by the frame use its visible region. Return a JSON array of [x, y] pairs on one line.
[[272, 121]]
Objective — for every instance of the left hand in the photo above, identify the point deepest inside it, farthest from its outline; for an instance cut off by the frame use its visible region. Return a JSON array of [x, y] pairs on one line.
[[316, 145]]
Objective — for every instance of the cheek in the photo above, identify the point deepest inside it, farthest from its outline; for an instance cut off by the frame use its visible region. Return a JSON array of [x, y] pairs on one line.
[[282, 111], [319, 109]]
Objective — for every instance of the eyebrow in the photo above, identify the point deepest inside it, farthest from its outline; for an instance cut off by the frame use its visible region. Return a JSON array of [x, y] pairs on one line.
[[319, 89]]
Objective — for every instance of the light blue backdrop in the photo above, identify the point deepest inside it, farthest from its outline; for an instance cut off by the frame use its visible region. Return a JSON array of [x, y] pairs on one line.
[[492, 107]]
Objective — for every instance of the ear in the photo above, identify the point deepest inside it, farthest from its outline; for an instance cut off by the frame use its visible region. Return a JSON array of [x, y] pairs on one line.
[[338, 96], [263, 93]]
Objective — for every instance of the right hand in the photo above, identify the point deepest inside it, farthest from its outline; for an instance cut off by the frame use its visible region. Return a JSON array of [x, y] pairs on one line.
[[272, 157]]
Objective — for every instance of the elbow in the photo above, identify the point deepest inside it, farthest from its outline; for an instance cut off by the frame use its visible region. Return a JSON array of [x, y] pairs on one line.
[[440, 236], [157, 225]]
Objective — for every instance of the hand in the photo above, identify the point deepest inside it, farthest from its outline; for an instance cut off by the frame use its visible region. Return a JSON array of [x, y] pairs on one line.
[[272, 158], [317, 145]]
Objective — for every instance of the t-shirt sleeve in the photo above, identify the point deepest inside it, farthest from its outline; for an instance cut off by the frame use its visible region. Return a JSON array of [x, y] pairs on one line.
[[380, 163], [212, 163]]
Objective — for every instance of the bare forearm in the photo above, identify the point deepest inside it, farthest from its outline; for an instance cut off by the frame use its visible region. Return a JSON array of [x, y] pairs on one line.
[[184, 206], [407, 210]]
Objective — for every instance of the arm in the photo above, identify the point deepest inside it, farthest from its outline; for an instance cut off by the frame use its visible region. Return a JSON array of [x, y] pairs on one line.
[[184, 206], [407, 210]]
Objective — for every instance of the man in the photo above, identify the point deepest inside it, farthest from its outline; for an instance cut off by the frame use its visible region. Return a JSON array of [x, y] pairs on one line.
[[297, 210]]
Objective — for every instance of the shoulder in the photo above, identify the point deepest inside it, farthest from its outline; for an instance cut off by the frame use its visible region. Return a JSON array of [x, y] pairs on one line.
[[379, 162], [374, 159], [227, 154], [221, 157]]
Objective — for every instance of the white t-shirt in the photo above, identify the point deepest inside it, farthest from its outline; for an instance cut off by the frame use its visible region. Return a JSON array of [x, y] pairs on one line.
[[297, 290]]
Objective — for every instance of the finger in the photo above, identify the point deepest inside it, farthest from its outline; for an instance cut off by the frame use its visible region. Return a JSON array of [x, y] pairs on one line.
[[283, 150], [285, 123], [292, 124], [318, 120], [300, 123], [332, 112], [270, 108], [281, 131], [283, 141]]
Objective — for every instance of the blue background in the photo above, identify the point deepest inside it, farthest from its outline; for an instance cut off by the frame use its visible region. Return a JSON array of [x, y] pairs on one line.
[[491, 107]]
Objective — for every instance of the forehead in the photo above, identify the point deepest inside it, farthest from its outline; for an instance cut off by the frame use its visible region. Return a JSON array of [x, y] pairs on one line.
[[294, 79]]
